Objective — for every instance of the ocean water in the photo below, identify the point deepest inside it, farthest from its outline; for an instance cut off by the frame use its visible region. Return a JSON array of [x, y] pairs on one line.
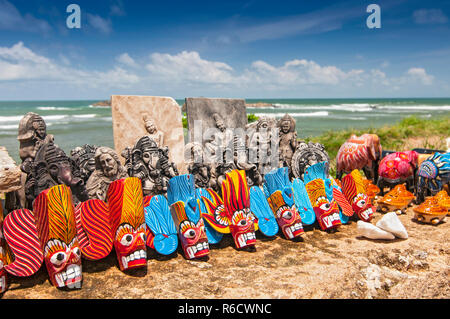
[[75, 123]]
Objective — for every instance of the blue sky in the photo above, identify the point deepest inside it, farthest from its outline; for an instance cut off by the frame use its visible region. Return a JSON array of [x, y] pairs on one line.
[[250, 49]]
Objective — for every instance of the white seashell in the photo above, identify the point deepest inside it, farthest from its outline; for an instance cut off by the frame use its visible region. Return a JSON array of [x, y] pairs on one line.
[[371, 231], [391, 223]]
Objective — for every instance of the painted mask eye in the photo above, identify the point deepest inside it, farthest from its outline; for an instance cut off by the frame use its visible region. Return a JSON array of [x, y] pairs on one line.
[[361, 203], [242, 222], [325, 206], [190, 233], [127, 240], [58, 258], [287, 214]]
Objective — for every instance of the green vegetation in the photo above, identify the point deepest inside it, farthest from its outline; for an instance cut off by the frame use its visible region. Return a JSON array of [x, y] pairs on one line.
[[409, 133]]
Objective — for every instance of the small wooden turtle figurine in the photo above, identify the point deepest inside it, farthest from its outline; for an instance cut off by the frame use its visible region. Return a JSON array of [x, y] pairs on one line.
[[398, 199], [430, 211], [443, 200]]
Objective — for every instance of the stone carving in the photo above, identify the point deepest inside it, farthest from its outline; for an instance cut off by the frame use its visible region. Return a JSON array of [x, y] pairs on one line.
[[307, 154], [135, 116], [288, 139], [151, 164], [153, 131], [198, 166], [83, 160], [51, 167], [107, 169], [32, 135], [262, 144]]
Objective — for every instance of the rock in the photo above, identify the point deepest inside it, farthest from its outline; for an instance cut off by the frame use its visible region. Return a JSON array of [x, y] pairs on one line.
[[371, 231], [259, 104], [391, 223], [9, 173], [131, 113], [102, 103]]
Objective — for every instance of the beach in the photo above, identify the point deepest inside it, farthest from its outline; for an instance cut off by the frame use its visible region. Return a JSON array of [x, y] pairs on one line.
[[75, 123]]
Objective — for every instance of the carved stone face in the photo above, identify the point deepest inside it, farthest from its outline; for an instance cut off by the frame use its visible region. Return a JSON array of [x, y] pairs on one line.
[[285, 126], [40, 128], [150, 126], [109, 165], [220, 124]]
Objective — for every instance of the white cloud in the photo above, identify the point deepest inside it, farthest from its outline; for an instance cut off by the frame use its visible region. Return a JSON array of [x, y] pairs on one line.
[[19, 63], [189, 66], [99, 23], [421, 75], [125, 59], [429, 16], [12, 19]]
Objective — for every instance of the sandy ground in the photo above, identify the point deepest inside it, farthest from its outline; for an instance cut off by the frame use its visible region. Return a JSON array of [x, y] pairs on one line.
[[338, 265]]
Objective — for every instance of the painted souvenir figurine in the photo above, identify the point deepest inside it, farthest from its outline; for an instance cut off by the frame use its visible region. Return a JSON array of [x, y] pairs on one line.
[[3, 261], [430, 212], [127, 222], [355, 192], [185, 209], [107, 169], [83, 159], [21, 253], [360, 152], [236, 201], [320, 193], [52, 167], [281, 200], [307, 154], [433, 174], [396, 200], [214, 236], [443, 199], [55, 220], [397, 168], [163, 233]]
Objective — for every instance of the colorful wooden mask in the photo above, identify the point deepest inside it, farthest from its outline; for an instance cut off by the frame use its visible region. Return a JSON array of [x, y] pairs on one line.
[[94, 229], [302, 202], [159, 220], [3, 280], [55, 221], [281, 200], [259, 206], [320, 193], [186, 213], [236, 201], [355, 191], [213, 235], [22, 248], [127, 222]]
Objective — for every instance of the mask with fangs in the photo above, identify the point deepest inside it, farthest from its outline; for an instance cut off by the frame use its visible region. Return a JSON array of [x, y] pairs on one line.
[[126, 209], [186, 213], [55, 221], [281, 200], [355, 191], [236, 201]]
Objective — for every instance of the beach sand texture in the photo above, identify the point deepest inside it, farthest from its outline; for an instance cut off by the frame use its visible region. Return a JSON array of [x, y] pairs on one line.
[[339, 265]]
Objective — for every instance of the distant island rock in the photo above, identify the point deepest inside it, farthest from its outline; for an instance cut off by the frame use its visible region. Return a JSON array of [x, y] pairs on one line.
[[103, 103]]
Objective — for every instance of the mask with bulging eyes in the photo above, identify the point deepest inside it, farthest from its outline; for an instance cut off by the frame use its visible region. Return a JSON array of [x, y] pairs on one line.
[[55, 220], [126, 209], [236, 201], [354, 190], [186, 214]]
